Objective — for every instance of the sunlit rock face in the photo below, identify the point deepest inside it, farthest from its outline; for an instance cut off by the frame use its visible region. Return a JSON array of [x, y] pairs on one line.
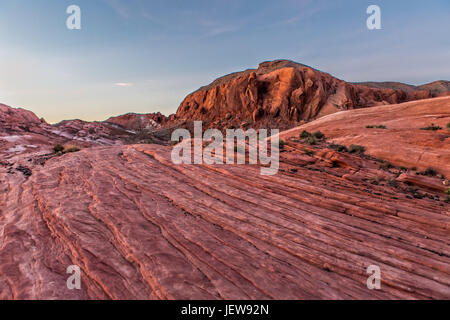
[[284, 93]]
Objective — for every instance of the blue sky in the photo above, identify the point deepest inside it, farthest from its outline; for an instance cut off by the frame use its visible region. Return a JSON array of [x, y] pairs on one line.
[[146, 56]]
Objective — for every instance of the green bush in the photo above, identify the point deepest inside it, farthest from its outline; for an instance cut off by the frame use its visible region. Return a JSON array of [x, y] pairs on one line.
[[305, 134], [338, 147], [386, 165], [432, 128], [312, 140], [58, 148], [430, 172], [319, 135], [357, 149]]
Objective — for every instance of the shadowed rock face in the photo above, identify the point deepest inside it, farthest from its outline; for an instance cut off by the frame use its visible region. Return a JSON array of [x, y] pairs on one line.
[[402, 142], [284, 93], [141, 227]]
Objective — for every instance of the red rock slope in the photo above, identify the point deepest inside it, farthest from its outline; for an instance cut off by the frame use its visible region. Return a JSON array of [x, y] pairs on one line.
[[284, 92], [402, 142], [140, 227]]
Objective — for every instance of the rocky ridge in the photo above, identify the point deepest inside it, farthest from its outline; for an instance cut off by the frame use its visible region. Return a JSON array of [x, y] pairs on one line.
[[283, 93]]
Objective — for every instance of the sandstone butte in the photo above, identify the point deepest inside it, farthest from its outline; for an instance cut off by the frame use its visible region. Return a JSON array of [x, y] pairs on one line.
[[140, 227], [284, 93]]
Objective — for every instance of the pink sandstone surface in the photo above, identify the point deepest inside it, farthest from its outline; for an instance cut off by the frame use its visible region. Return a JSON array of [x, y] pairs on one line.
[[403, 142], [140, 227]]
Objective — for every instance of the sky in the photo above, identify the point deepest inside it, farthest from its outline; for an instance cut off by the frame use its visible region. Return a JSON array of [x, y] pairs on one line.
[[145, 56]]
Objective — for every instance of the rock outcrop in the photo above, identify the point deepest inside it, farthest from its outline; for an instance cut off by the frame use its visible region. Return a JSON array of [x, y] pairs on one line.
[[283, 93], [138, 122], [22, 132], [436, 88], [401, 139]]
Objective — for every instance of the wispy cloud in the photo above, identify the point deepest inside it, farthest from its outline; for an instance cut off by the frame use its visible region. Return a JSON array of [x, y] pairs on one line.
[[306, 9], [119, 7], [215, 28], [221, 30], [123, 84]]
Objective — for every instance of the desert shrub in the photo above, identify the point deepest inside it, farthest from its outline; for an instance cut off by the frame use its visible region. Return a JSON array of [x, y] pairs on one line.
[[370, 127], [432, 128], [357, 149], [448, 126], [447, 192], [430, 172], [281, 144], [58, 148], [319, 135], [380, 126], [71, 149], [338, 147], [414, 169], [312, 140], [386, 165], [305, 134]]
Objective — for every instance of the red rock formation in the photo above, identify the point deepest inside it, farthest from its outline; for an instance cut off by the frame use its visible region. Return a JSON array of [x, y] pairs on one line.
[[22, 132], [138, 122], [402, 142], [436, 88], [284, 93], [140, 227], [12, 116]]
